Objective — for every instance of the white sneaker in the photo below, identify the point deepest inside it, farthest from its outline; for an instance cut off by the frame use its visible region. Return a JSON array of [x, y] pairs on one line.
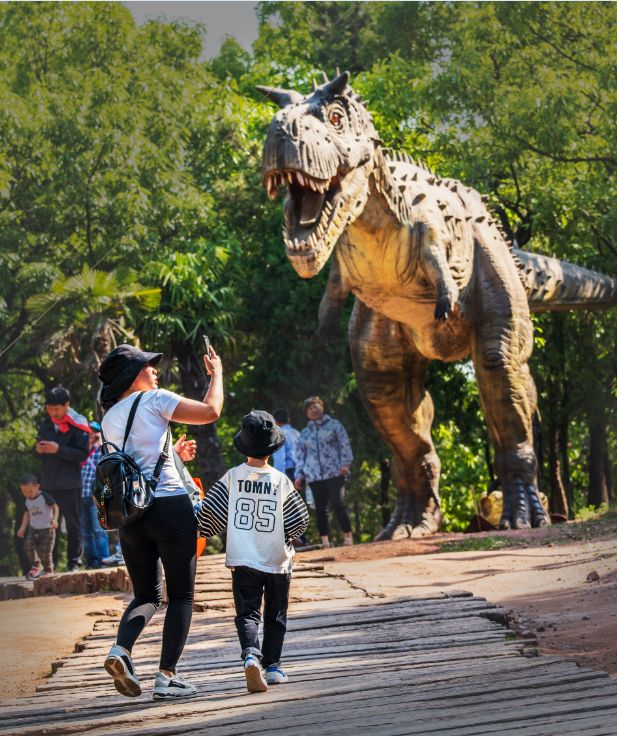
[[113, 560], [172, 688], [255, 682], [275, 675], [120, 666]]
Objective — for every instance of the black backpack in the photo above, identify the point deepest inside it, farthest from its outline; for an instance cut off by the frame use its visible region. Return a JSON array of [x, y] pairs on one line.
[[122, 493]]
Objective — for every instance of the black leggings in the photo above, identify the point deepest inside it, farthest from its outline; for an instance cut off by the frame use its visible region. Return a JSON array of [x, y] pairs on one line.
[[331, 491], [167, 533]]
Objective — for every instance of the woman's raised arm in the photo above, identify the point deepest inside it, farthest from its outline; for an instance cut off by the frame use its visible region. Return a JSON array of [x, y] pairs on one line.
[[209, 410]]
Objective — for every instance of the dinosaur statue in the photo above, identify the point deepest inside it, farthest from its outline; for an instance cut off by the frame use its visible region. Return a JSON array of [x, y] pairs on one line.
[[434, 279]]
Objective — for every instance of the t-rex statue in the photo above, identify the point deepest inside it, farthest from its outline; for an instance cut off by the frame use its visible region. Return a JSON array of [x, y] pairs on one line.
[[434, 279]]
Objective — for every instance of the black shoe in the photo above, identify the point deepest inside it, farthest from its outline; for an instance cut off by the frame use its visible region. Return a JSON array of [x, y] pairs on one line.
[[73, 567]]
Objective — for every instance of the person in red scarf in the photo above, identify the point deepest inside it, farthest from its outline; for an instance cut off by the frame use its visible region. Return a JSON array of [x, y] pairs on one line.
[[62, 445]]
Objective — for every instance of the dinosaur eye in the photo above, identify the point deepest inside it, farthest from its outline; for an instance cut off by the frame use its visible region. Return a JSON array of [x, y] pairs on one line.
[[335, 119]]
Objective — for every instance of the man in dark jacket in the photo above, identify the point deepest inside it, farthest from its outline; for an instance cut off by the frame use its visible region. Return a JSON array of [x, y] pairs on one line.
[[62, 445]]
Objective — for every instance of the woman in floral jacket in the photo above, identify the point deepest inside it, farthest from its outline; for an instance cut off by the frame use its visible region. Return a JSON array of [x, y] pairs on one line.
[[323, 457]]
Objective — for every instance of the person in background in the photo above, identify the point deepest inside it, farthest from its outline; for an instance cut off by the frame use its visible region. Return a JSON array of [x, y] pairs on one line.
[[284, 459], [323, 457], [20, 507], [62, 445], [96, 544], [38, 527]]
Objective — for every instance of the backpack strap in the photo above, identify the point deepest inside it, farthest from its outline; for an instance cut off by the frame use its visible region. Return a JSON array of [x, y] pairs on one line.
[[156, 473], [129, 421]]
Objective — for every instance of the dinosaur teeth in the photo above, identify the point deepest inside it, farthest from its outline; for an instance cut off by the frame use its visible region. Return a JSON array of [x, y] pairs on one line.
[[300, 178]]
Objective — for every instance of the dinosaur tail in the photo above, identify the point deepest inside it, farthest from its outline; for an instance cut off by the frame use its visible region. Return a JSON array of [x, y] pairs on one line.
[[554, 285]]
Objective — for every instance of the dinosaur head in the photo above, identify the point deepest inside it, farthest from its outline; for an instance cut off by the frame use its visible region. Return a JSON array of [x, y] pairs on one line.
[[321, 148]]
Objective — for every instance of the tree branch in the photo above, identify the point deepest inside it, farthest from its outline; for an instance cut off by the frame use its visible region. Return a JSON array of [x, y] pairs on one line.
[[608, 160]]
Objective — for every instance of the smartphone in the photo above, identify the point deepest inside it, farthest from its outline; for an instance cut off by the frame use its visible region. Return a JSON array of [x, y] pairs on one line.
[[206, 344]]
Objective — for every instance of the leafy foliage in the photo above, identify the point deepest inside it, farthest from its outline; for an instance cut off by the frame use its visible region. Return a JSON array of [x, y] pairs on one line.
[[131, 207]]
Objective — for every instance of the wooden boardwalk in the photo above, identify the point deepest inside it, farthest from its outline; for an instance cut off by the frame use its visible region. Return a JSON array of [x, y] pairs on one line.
[[357, 664]]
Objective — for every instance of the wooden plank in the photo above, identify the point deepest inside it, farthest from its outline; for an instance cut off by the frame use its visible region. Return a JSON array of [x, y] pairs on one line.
[[436, 665]]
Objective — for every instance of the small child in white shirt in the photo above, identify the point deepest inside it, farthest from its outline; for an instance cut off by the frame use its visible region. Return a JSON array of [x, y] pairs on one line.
[[263, 513], [38, 526]]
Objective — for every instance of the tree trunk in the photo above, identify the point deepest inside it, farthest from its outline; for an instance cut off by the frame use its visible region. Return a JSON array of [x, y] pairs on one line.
[[557, 397], [564, 439], [209, 465], [600, 490], [558, 498], [384, 467]]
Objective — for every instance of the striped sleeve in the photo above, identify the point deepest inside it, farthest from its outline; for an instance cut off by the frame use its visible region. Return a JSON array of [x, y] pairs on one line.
[[212, 510], [295, 516]]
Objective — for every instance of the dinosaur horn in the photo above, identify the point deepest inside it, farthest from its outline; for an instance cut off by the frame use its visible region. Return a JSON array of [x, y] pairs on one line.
[[325, 78], [282, 97], [337, 85]]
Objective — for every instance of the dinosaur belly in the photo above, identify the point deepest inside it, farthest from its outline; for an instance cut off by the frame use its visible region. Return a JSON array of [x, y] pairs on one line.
[[446, 341]]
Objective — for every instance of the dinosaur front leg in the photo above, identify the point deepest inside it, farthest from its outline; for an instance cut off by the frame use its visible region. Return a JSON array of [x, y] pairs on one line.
[[500, 352], [390, 375], [435, 266], [332, 301]]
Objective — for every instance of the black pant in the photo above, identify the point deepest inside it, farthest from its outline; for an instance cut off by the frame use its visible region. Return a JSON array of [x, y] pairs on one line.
[[166, 533], [249, 585], [69, 501], [330, 491]]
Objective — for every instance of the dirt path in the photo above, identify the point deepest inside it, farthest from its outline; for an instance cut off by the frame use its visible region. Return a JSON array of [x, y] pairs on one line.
[[37, 632], [435, 665], [544, 583], [563, 591]]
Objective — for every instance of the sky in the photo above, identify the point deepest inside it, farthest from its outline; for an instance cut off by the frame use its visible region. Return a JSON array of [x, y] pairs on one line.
[[237, 19]]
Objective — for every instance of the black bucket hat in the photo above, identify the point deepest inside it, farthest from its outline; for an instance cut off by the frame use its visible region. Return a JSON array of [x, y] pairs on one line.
[[120, 368], [259, 436]]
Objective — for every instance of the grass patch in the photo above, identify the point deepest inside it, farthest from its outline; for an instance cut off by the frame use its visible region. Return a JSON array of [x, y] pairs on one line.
[[594, 524], [482, 543]]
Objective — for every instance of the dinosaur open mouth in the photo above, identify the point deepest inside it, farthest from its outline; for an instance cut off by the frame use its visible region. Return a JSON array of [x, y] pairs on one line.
[[309, 208]]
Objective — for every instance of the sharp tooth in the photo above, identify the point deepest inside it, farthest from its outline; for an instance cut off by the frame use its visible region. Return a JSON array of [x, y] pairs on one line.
[[296, 244], [290, 178], [300, 178], [311, 183]]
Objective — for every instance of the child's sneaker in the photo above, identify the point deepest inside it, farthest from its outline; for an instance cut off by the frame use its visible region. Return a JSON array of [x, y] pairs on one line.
[[275, 675], [255, 682], [172, 688], [34, 572], [120, 666]]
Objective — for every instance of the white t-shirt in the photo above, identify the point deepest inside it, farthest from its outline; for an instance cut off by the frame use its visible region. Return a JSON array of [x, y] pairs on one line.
[[147, 436], [255, 526]]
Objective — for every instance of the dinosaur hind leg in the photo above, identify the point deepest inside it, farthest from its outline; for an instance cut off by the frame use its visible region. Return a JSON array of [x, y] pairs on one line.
[[500, 352], [390, 375]]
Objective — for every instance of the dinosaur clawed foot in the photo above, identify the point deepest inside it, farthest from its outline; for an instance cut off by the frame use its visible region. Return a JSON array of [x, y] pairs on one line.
[[522, 508]]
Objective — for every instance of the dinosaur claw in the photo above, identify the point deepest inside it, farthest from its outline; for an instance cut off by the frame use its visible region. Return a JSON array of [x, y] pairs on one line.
[[443, 308]]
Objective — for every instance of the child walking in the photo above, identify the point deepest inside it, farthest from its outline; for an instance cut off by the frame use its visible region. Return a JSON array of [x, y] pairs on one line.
[[263, 513], [38, 526]]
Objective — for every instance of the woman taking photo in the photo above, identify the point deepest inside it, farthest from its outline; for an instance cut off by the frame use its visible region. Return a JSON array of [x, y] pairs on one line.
[[167, 532]]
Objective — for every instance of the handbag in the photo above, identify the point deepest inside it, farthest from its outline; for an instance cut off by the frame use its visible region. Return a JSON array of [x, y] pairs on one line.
[[122, 493]]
